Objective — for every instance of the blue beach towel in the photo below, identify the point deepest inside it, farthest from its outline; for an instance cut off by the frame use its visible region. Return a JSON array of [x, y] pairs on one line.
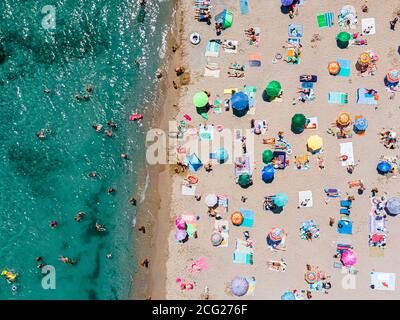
[[344, 67], [248, 218], [244, 7], [345, 227], [364, 98], [338, 98], [295, 30], [243, 258]]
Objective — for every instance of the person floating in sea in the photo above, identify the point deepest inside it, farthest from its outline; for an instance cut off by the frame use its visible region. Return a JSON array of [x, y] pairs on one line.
[[100, 227], [112, 124], [67, 260], [92, 174], [108, 133], [79, 216], [97, 127], [53, 224], [41, 134]]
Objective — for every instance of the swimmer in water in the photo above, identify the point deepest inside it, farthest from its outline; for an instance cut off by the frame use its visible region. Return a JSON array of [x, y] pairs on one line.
[[109, 133], [100, 227], [40, 134], [142, 2], [112, 124], [110, 190], [124, 156], [67, 260], [79, 216], [89, 88], [97, 127], [92, 174], [53, 224]]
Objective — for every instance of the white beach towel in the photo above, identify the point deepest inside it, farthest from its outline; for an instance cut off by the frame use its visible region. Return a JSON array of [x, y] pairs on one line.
[[312, 123], [234, 43], [368, 23], [188, 191], [211, 73], [305, 197], [383, 281], [347, 149]]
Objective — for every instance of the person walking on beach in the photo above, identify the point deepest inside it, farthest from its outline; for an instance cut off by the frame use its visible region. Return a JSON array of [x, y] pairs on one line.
[[145, 263], [393, 23], [331, 221], [142, 229], [132, 201]]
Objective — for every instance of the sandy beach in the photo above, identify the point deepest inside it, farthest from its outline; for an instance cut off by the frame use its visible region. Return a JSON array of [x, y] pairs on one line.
[[170, 260]]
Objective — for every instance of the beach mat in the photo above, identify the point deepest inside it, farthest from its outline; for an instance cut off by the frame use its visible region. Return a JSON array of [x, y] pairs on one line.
[[244, 7], [368, 23], [303, 196], [344, 67], [248, 218], [383, 281], [338, 98], [347, 149], [325, 20], [212, 49]]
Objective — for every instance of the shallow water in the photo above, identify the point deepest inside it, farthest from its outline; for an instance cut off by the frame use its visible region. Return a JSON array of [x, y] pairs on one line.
[[94, 42]]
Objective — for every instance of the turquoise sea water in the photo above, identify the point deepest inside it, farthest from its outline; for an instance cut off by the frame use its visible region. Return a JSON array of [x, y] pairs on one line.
[[94, 42]]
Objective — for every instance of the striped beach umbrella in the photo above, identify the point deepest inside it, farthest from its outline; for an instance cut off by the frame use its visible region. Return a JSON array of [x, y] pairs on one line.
[[364, 59], [276, 234], [311, 277], [393, 75], [343, 119]]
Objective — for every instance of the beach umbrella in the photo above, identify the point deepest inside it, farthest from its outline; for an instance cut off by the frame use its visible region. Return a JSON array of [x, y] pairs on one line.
[[273, 89], [181, 235], [361, 124], [286, 3], [180, 224], [239, 286], [216, 239], [348, 258], [193, 162], [244, 180], [267, 173], [276, 234], [364, 59], [225, 18], [281, 199], [343, 119], [200, 99], [392, 78], [333, 68], [288, 296], [211, 200], [311, 277], [267, 156], [342, 39], [314, 143], [384, 167], [237, 218], [240, 101], [298, 122], [393, 206]]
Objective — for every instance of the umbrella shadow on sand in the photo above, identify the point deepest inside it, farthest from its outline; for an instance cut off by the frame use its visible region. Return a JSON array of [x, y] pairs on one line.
[[277, 210]]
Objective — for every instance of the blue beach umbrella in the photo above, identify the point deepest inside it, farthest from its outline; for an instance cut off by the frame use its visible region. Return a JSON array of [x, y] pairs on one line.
[[383, 167], [267, 173], [193, 162], [286, 3], [240, 101], [361, 124], [288, 296]]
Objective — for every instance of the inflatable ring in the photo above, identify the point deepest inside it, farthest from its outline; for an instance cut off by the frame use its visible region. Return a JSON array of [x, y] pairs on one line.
[[195, 38], [192, 179], [220, 127]]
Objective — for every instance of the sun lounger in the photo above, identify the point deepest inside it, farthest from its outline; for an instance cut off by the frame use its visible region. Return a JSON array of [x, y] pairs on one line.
[[206, 133], [368, 24], [244, 167], [363, 97], [304, 78], [305, 199], [345, 226], [345, 203], [383, 281], [345, 211], [244, 7], [262, 125], [212, 49], [347, 149], [338, 98], [248, 218], [325, 20], [344, 67], [295, 30]]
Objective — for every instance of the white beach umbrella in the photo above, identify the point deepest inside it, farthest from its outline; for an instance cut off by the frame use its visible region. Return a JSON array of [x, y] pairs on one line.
[[211, 200]]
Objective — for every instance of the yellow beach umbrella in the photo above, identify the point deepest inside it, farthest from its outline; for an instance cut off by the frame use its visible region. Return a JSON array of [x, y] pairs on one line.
[[315, 143], [343, 119], [364, 59]]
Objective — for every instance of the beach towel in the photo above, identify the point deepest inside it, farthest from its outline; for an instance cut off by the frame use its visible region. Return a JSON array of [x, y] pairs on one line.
[[243, 246], [311, 123], [344, 67], [295, 30], [222, 226], [262, 125], [242, 258], [304, 78], [257, 32], [206, 132], [248, 218], [212, 49], [251, 91], [281, 156], [217, 107], [345, 226], [231, 43], [307, 85], [191, 224], [338, 98], [332, 192], [363, 97], [212, 70], [230, 90], [252, 286], [383, 281], [325, 20], [368, 24], [305, 199], [376, 252], [244, 7], [291, 56], [347, 149], [222, 205], [193, 162], [188, 190]]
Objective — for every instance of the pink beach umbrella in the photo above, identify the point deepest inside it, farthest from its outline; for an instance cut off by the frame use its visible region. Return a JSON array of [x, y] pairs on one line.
[[393, 75], [348, 258], [180, 224]]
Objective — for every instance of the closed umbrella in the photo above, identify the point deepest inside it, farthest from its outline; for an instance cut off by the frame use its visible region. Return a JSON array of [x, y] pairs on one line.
[[281, 199], [298, 122], [273, 89], [361, 124], [200, 99], [342, 39], [240, 101], [181, 235], [267, 173], [216, 239], [348, 258], [211, 200], [239, 286], [314, 143], [244, 180], [288, 296], [393, 206], [267, 156], [343, 119], [384, 167]]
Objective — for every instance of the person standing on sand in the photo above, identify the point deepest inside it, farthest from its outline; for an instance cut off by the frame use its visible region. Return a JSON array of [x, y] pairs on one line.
[[331, 221], [142, 229], [145, 263], [132, 201]]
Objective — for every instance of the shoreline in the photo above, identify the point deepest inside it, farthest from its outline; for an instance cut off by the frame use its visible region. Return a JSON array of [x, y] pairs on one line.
[[156, 209]]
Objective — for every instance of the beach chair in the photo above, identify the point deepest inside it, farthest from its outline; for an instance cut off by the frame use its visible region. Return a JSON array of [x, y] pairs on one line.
[[345, 203], [345, 211], [345, 226]]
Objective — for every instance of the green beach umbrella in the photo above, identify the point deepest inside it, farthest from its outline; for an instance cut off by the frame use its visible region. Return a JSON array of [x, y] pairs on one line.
[[228, 20], [298, 121], [273, 89], [200, 99], [267, 156], [244, 180], [342, 39], [281, 199]]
